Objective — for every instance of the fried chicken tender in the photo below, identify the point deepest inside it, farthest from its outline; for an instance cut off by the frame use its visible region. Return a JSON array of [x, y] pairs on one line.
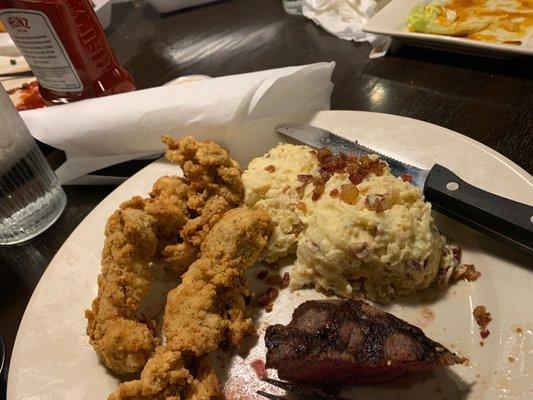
[[168, 205], [215, 186], [168, 227], [206, 310], [123, 343], [208, 167]]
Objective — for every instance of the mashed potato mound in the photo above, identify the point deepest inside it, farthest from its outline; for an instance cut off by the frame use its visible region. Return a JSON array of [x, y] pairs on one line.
[[270, 184], [348, 248], [375, 236]]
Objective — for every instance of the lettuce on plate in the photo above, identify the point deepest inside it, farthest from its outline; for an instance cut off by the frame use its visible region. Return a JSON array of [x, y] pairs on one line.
[[425, 19]]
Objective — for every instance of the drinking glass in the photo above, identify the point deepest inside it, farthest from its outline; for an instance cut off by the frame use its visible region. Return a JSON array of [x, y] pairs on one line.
[[31, 198], [293, 7]]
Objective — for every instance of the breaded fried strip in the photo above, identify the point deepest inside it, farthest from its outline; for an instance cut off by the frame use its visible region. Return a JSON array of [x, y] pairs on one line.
[[215, 186], [134, 234], [169, 227], [208, 167], [204, 385], [122, 342], [205, 310]]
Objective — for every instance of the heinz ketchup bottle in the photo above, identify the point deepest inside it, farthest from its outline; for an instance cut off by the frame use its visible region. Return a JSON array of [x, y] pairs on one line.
[[66, 48]]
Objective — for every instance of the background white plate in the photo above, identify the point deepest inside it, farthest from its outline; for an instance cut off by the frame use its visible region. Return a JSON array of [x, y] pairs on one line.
[[392, 21], [53, 360]]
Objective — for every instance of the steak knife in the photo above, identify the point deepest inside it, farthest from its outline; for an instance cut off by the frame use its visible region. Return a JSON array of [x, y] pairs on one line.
[[504, 219]]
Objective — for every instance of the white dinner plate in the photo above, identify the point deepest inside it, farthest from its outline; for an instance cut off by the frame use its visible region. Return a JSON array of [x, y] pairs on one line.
[[392, 21], [52, 358]]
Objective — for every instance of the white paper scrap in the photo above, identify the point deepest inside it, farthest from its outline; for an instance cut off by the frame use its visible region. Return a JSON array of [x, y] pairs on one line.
[[346, 18]]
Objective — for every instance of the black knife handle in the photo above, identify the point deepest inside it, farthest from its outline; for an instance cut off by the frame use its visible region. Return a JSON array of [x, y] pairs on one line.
[[504, 219]]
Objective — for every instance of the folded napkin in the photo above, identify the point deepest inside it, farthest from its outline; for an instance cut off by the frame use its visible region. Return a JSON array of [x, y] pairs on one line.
[[100, 132], [346, 18]]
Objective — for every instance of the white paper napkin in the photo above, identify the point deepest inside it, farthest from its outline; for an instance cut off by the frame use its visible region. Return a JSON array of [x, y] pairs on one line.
[[97, 133], [346, 18]]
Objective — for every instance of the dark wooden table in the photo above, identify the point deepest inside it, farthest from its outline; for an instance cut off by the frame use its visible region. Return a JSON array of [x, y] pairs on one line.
[[489, 100]]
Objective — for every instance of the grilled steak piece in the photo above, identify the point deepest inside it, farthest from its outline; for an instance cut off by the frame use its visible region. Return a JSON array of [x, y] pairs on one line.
[[352, 342]]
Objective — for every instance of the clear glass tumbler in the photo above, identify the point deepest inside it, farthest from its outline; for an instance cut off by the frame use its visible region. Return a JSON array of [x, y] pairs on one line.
[[293, 7], [31, 198]]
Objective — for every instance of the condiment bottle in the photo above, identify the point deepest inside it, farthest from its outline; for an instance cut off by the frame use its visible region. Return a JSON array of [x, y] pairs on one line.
[[66, 48]]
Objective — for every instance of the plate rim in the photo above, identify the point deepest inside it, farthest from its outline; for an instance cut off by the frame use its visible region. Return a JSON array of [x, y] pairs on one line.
[[495, 154]]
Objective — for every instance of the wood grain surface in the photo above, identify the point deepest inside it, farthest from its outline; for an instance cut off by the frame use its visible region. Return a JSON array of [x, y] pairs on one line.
[[490, 100]]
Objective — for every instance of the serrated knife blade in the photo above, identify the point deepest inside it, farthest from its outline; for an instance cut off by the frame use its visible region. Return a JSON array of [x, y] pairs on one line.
[[502, 218]]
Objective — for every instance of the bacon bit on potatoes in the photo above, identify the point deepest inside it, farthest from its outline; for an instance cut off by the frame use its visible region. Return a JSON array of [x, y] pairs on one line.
[[304, 178], [302, 207], [360, 166], [334, 192], [349, 193], [320, 185], [374, 202], [457, 253], [407, 178], [357, 167], [356, 179], [270, 168]]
